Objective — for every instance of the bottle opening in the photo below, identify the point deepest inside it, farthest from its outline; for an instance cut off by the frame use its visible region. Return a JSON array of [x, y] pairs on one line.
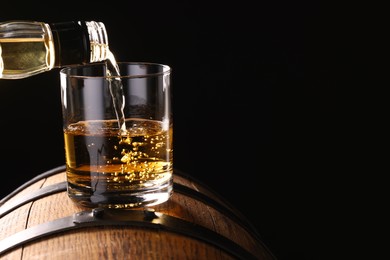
[[98, 41]]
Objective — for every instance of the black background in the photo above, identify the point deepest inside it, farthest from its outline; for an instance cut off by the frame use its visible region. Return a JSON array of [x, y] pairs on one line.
[[226, 59]]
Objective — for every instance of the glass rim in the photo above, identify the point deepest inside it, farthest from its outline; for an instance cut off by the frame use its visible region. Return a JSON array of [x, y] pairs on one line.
[[166, 70]]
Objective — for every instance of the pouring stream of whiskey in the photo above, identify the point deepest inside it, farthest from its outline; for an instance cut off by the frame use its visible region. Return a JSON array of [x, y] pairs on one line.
[[116, 90]]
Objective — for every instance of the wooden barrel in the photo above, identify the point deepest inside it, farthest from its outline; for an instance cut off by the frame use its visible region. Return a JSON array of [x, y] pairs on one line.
[[39, 221]]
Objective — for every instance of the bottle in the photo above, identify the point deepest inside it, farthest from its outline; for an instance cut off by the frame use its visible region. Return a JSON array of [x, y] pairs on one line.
[[31, 47]]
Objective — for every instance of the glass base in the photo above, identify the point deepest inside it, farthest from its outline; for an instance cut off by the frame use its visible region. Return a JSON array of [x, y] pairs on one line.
[[124, 199]]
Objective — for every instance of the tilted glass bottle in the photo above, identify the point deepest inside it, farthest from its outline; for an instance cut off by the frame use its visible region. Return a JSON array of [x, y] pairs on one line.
[[30, 47]]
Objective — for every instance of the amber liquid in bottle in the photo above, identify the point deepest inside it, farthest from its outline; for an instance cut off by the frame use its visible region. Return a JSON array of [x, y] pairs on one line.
[[21, 56]]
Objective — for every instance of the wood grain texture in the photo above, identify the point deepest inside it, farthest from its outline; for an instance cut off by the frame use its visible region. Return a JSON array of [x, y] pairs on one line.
[[128, 242]]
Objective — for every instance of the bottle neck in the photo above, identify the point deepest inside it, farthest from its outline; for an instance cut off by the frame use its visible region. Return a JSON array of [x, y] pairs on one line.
[[79, 42], [97, 36]]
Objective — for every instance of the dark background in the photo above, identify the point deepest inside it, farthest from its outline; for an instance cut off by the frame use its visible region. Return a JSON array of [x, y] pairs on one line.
[[226, 59]]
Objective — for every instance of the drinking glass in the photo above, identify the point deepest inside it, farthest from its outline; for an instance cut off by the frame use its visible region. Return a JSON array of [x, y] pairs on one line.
[[118, 129]]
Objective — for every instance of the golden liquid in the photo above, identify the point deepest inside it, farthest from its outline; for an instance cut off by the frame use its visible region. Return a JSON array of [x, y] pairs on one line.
[[102, 162], [24, 56]]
